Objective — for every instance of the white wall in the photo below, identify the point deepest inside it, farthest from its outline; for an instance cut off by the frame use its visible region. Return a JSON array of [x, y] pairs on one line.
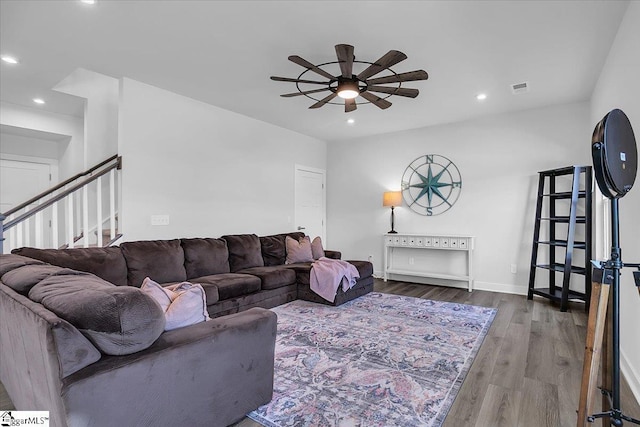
[[100, 112], [29, 146], [71, 153], [213, 171], [619, 87], [498, 157]]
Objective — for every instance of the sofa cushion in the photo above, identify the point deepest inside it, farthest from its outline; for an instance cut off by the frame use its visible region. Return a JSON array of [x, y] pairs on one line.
[[244, 251], [106, 263], [302, 270], [272, 277], [203, 257], [22, 279], [10, 262], [183, 304], [365, 268], [118, 320], [273, 248], [298, 250], [161, 260], [230, 285]]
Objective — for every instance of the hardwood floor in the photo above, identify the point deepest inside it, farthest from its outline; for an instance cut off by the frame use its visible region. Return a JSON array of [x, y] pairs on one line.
[[527, 372]]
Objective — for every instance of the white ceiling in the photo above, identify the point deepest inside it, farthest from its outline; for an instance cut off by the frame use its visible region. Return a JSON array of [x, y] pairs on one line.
[[223, 52]]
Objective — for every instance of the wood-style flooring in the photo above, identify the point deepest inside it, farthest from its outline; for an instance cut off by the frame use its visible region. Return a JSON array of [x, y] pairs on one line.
[[527, 372]]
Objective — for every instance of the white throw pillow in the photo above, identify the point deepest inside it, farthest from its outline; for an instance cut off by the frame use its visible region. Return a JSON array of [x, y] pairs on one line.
[[188, 303]]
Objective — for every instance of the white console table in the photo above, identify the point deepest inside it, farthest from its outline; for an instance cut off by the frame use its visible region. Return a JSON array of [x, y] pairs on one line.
[[428, 242]]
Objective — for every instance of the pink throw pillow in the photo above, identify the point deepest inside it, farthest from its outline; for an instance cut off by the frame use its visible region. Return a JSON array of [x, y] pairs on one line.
[[316, 248], [298, 251]]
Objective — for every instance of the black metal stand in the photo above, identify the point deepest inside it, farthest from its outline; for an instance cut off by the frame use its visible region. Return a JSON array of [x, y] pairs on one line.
[[392, 218], [613, 266]]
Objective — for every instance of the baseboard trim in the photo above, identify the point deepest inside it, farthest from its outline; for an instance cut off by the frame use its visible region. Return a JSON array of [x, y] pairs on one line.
[[504, 288], [630, 374]]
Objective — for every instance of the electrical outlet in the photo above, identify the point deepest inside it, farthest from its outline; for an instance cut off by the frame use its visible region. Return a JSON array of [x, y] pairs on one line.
[[411, 260], [159, 219], [514, 268], [371, 258]]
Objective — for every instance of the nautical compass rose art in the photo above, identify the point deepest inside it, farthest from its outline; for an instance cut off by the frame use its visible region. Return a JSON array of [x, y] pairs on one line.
[[431, 184]]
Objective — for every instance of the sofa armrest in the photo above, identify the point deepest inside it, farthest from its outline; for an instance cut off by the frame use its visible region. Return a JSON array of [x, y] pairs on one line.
[[333, 254], [213, 372]]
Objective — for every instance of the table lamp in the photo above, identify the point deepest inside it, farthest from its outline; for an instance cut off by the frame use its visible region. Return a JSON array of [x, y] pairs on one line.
[[393, 199]]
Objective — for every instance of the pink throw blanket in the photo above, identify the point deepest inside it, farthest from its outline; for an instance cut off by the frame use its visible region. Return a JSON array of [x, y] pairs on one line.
[[328, 274]]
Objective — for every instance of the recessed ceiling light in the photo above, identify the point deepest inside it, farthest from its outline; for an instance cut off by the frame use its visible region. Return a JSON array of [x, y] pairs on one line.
[[351, 121], [38, 101], [88, 1], [481, 96], [9, 59]]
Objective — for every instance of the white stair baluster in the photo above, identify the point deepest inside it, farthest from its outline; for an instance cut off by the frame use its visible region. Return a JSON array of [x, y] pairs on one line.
[[112, 203], [54, 225], [27, 229], [85, 216], [99, 210], [70, 236], [39, 229]]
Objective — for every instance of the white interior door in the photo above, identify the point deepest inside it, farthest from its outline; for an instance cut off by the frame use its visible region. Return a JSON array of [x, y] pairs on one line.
[[310, 210], [20, 181]]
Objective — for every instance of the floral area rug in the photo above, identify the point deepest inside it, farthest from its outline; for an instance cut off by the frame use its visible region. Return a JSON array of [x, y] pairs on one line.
[[379, 360]]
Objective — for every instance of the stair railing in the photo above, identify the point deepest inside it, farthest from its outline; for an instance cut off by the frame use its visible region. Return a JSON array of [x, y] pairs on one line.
[[26, 223]]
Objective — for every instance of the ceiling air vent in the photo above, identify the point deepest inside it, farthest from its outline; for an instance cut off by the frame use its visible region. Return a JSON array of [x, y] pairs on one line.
[[519, 88]]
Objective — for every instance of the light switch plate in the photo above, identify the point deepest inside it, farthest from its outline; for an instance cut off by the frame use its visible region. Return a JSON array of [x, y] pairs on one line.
[[159, 219]]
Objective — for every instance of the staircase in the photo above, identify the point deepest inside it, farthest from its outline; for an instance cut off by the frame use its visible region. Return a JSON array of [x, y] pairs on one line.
[[81, 211]]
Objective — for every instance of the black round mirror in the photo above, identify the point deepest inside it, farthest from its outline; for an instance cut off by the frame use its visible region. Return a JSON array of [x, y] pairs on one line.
[[615, 155]]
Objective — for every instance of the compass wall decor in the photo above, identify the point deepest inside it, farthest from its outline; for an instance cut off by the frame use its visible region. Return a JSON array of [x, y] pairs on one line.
[[431, 184]]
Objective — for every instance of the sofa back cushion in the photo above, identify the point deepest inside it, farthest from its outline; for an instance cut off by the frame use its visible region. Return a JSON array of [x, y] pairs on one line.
[[22, 279], [106, 263], [118, 320], [161, 260], [273, 247], [9, 262], [204, 257], [244, 251]]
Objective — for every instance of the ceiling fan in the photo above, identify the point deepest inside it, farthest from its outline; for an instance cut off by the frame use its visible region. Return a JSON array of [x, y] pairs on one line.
[[348, 86]]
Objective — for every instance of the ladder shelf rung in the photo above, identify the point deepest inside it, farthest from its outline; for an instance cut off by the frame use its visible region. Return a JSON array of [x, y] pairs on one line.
[[564, 243], [559, 267], [579, 219], [565, 195], [556, 295]]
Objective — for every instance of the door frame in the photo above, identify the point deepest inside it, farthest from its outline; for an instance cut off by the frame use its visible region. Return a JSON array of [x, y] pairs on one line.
[[53, 163], [322, 172]]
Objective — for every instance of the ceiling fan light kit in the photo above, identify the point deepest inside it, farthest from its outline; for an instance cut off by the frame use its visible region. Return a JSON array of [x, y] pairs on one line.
[[348, 86]]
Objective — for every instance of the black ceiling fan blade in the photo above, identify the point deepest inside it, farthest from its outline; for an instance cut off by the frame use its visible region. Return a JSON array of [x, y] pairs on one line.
[[400, 91], [324, 100], [402, 77], [306, 92], [389, 59], [376, 100], [306, 64], [350, 105], [287, 79], [344, 52]]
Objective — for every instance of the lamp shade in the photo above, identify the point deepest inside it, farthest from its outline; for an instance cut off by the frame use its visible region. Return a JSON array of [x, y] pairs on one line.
[[392, 198]]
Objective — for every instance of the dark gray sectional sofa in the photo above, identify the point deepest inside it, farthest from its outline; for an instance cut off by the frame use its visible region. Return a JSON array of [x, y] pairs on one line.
[[83, 361]]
